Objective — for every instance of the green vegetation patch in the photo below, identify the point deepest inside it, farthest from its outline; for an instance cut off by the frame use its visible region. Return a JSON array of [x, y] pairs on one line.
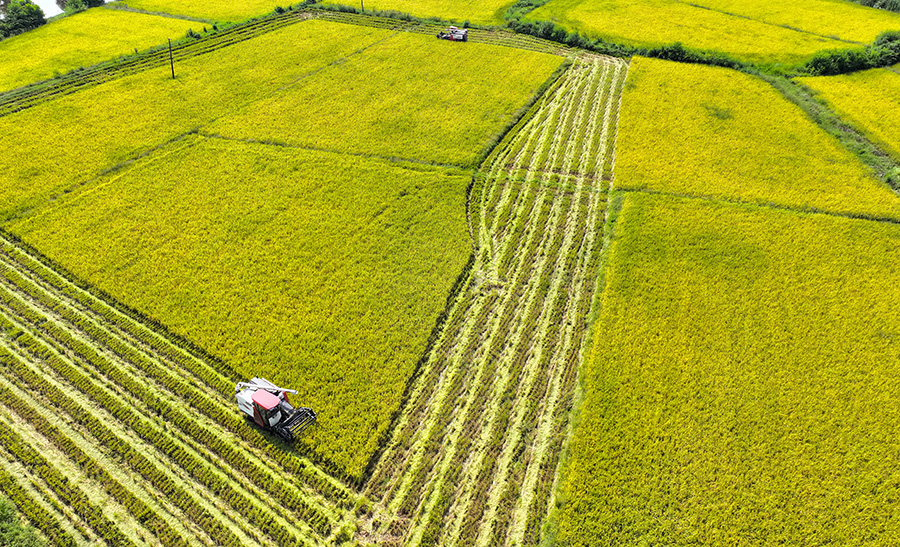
[[757, 31], [411, 96], [60, 144], [82, 39], [870, 99], [322, 272], [741, 389], [705, 131]]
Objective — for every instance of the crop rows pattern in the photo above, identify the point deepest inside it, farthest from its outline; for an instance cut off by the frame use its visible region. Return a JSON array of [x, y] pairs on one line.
[[474, 452], [112, 432]]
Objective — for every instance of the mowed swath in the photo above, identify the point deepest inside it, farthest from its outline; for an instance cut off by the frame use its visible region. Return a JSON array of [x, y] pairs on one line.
[[111, 431], [322, 272], [473, 456]]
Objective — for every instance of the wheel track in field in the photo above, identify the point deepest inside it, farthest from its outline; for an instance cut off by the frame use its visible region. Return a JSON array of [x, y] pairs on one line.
[[475, 451], [121, 392]]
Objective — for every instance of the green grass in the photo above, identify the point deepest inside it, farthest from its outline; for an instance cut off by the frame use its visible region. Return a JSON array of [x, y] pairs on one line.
[[741, 389], [704, 131], [411, 96], [321, 272], [755, 31], [62, 143], [82, 40]]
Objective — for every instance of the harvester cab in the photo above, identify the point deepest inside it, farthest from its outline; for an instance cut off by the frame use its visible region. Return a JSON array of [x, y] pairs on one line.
[[268, 406], [454, 34]]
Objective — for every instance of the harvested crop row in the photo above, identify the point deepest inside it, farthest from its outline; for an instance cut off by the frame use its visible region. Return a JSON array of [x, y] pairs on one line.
[[71, 359], [168, 396], [471, 453]]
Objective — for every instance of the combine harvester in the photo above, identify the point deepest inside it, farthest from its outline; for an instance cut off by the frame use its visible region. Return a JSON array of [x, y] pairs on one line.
[[268, 406], [454, 34]]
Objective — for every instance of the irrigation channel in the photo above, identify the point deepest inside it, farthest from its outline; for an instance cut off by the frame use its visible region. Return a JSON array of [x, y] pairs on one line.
[[475, 452], [111, 431]]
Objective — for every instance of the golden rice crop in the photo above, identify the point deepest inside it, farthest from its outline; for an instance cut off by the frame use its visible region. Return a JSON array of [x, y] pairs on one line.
[[82, 39], [62, 143], [475, 11], [706, 131], [322, 272], [658, 22], [869, 99], [844, 20], [212, 10], [411, 96], [742, 386]]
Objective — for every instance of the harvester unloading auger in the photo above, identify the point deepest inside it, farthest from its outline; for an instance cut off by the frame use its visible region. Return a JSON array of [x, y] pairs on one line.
[[268, 406]]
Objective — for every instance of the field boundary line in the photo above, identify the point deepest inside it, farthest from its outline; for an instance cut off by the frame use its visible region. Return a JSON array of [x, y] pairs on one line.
[[121, 7], [388, 159], [788, 27], [762, 205]]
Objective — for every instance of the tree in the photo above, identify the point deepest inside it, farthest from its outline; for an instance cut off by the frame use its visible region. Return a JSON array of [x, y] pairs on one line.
[[74, 6], [22, 16]]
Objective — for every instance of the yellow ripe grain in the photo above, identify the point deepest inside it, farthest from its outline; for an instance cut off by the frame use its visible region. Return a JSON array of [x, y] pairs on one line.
[[705, 131], [411, 96], [212, 10], [742, 385], [319, 271], [834, 18], [869, 99], [756, 32], [61, 143], [474, 11], [82, 40]]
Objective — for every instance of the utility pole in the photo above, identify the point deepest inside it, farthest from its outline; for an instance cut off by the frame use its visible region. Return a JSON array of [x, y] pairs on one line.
[[171, 60]]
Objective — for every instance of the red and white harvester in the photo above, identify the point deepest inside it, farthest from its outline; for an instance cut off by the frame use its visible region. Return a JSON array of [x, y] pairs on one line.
[[268, 406]]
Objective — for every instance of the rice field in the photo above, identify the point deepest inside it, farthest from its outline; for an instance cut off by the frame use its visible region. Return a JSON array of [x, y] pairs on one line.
[[660, 311], [430, 100], [128, 116], [81, 40], [759, 31], [846, 21], [210, 10], [473, 457], [869, 99], [480, 12], [741, 384], [113, 433], [704, 131], [318, 271]]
